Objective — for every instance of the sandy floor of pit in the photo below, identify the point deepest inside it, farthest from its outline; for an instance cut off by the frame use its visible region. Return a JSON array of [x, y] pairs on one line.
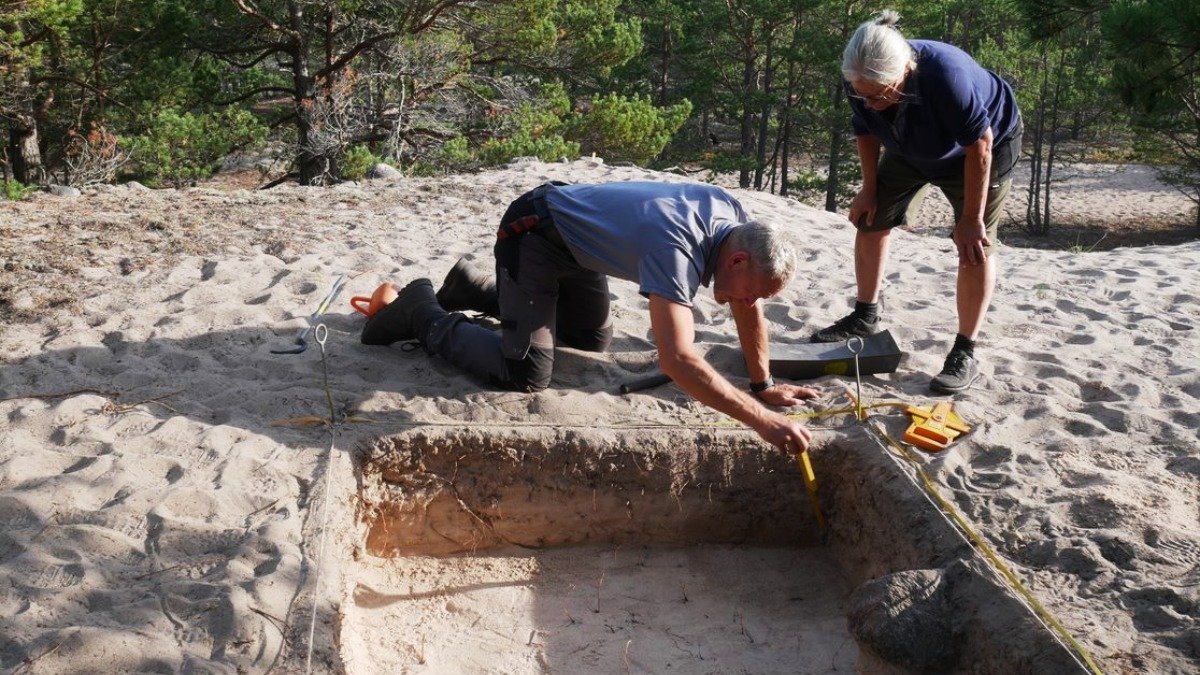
[[592, 609]]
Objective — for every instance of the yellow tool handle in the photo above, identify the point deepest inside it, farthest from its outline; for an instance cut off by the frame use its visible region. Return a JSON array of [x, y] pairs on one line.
[[810, 482]]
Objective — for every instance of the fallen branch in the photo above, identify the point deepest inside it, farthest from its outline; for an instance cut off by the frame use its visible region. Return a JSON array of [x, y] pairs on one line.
[[63, 394]]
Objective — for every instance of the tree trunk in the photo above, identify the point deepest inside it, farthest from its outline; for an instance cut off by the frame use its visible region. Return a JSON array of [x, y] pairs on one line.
[[764, 115], [25, 151], [836, 141], [310, 164], [1059, 78], [664, 64], [1033, 211], [748, 87]]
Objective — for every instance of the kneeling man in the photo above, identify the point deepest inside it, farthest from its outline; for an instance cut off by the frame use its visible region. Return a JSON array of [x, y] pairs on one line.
[[555, 249]]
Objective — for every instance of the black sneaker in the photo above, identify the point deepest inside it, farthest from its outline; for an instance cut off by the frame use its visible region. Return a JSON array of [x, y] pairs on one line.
[[959, 373], [847, 327]]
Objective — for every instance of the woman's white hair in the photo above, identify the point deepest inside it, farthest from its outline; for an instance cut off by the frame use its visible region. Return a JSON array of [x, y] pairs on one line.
[[771, 253], [877, 52]]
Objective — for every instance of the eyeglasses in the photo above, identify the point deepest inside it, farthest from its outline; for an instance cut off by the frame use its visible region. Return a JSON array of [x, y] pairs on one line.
[[890, 94]]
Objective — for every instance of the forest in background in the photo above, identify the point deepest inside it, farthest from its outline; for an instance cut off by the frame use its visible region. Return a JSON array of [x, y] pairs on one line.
[[162, 91]]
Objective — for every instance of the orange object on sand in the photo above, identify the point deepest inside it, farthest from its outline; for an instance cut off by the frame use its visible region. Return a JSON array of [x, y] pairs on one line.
[[934, 429], [382, 296]]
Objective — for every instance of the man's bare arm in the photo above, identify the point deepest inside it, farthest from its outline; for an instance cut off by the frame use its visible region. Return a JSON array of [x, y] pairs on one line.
[[674, 333], [756, 347]]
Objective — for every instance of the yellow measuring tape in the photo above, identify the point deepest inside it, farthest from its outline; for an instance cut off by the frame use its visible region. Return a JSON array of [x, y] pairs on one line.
[[998, 564], [984, 547], [981, 544]]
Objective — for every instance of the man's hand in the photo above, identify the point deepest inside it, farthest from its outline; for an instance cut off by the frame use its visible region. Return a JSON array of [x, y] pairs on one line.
[[786, 395], [970, 236], [786, 434], [674, 332]]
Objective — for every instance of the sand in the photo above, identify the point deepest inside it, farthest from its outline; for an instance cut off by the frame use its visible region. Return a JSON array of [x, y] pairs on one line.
[[155, 520]]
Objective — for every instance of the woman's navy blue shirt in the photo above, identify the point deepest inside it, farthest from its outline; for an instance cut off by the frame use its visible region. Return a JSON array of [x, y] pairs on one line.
[[949, 101]]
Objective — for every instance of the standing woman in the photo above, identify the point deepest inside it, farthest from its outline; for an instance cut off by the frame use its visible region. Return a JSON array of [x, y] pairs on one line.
[[925, 113]]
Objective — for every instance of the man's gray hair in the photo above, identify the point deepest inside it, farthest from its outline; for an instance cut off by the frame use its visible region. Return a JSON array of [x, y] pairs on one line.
[[770, 251], [877, 52]]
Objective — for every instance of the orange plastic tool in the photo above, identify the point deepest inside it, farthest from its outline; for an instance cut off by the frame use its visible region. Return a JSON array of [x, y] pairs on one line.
[[934, 428], [383, 295]]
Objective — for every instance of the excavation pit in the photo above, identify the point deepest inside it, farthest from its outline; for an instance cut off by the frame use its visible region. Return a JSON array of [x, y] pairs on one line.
[[528, 549]]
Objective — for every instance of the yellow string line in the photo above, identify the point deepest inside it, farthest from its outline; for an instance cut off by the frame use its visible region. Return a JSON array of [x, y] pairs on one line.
[[994, 558], [729, 423]]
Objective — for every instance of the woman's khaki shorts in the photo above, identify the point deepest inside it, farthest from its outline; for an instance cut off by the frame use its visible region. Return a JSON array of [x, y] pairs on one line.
[[900, 188]]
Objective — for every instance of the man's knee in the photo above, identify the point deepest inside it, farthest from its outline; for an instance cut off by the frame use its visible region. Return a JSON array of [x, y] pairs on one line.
[[591, 340], [531, 373]]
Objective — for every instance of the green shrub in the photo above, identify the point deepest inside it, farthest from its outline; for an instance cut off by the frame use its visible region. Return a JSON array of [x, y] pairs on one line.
[[15, 190], [456, 155], [628, 129], [527, 143], [533, 130], [357, 161], [179, 148]]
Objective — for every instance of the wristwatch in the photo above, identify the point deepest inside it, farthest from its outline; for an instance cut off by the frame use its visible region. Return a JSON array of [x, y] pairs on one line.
[[757, 388]]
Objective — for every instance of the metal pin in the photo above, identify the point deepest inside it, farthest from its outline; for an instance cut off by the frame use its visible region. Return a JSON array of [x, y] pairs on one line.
[[856, 349]]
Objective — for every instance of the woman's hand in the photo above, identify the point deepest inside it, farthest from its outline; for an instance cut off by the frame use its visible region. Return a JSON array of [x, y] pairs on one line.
[[863, 206], [972, 240]]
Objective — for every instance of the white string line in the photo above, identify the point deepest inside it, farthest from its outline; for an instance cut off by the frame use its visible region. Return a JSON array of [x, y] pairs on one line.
[[321, 334]]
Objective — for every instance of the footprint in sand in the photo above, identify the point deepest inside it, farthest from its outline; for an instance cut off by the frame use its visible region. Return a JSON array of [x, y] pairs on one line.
[[779, 314], [1096, 512], [10, 548], [1119, 552], [1116, 421], [1068, 307], [1085, 428], [1080, 561], [208, 269], [56, 577], [1187, 465]]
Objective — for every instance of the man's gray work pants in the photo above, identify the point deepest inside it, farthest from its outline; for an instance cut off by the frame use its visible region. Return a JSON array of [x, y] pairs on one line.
[[544, 296]]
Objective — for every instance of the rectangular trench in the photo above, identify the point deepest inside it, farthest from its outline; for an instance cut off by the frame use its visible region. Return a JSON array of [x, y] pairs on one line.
[[530, 550]]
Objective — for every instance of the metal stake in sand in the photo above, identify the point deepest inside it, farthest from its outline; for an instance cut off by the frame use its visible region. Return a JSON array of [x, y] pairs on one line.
[[856, 349], [302, 338]]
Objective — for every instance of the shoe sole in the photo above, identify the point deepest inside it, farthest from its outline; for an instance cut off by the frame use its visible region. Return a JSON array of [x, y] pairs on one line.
[[816, 339]]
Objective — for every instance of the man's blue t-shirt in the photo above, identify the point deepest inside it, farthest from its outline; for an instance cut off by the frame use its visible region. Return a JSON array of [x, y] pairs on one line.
[[663, 236], [948, 104]]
